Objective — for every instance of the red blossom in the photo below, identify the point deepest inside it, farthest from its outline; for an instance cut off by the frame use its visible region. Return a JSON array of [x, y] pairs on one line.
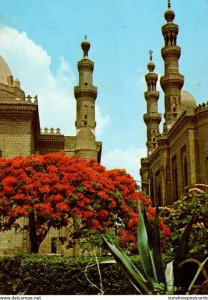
[[54, 188], [87, 215], [95, 225], [150, 212], [103, 214], [63, 207]]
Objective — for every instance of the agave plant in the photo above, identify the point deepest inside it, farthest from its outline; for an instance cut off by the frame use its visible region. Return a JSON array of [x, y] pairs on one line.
[[155, 280]]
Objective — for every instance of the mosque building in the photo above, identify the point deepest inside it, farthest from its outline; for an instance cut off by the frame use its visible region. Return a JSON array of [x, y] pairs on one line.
[[177, 157]]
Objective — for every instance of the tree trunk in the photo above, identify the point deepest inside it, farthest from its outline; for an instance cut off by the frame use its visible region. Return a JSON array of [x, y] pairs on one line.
[[34, 246], [35, 239]]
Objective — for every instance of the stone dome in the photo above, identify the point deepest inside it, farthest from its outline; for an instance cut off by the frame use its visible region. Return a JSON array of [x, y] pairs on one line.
[[4, 71], [187, 100], [169, 15], [151, 66]]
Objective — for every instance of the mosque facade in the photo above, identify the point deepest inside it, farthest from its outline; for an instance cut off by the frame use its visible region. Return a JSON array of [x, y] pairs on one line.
[[177, 157]]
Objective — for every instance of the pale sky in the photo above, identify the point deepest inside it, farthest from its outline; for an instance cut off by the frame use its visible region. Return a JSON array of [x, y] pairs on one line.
[[40, 40]]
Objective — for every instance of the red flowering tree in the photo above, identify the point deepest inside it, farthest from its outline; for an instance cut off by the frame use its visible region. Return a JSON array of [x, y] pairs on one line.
[[52, 189]]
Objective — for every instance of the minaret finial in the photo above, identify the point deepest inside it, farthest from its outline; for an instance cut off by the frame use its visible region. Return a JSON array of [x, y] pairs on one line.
[[150, 52], [151, 65], [85, 46], [169, 14], [169, 4]]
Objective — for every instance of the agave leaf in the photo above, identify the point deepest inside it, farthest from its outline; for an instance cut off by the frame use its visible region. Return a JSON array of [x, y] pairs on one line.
[[157, 254], [149, 229], [169, 275], [134, 275], [144, 250]]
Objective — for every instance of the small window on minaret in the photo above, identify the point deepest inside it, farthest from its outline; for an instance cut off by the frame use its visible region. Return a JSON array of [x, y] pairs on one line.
[[85, 83], [85, 117]]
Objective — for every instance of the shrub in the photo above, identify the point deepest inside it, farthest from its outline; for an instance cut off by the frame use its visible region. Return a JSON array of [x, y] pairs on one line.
[[43, 275], [192, 205]]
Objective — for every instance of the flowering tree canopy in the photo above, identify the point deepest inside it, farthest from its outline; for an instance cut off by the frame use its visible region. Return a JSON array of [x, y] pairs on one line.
[[51, 189]]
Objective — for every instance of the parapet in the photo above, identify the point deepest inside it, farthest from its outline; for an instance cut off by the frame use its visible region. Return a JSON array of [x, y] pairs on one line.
[[201, 106], [51, 131], [17, 100]]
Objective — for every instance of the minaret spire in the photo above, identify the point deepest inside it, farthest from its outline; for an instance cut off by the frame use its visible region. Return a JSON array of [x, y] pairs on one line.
[[172, 81], [152, 118]]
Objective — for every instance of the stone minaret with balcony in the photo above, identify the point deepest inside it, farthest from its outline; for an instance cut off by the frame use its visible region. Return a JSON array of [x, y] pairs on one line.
[[172, 81], [85, 94], [152, 118]]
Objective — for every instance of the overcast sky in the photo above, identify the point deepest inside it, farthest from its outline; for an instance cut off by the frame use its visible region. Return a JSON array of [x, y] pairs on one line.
[[40, 40]]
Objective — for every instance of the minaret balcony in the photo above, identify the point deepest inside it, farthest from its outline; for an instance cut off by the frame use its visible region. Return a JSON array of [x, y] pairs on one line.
[[170, 27], [151, 95], [172, 81], [151, 76], [152, 118], [85, 91], [171, 52]]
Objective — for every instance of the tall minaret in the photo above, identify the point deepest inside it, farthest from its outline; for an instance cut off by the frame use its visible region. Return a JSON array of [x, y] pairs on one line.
[[85, 94], [172, 81], [152, 118]]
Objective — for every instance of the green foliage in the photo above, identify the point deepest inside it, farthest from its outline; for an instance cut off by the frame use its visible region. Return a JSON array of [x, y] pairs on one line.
[[190, 208], [51, 275], [134, 275], [9, 275], [154, 281]]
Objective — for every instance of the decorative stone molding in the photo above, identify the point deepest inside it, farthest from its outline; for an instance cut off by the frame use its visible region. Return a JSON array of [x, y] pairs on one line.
[[50, 131], [171, 52], [151, 95], [83, 91], [201, 106], [172, 81], [15, 100], [152, 118]]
